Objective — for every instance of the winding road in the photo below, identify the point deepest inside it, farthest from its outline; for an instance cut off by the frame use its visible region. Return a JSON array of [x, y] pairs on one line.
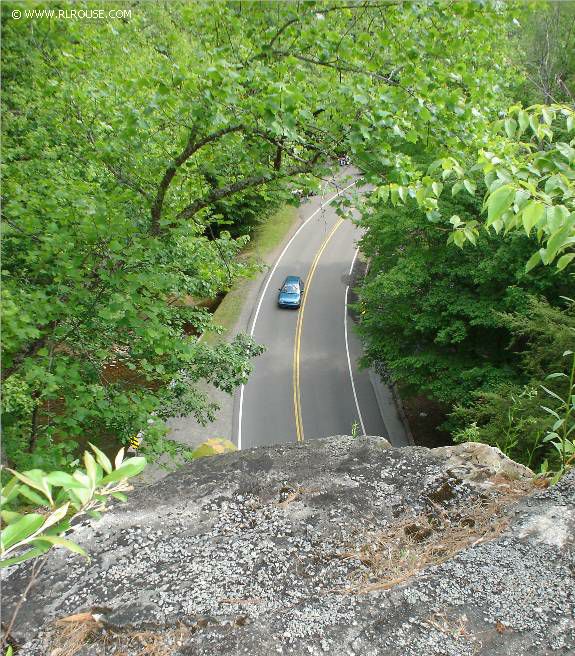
[[307, 383]]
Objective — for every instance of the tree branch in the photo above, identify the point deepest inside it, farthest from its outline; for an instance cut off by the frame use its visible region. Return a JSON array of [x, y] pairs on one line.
[[307, 14], [30, 350], [125, 180], [36, 569], [338, 67], [282, 29], [241, 185], [191, 147]]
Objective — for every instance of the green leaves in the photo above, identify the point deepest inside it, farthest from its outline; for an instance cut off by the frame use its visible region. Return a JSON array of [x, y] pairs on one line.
[[141, 108], [82, 492], [108, 307], [470, 186], [564, 260], [499, 202], [558, 240], [101, 315], [459, 238], [437, 188], [533, 212], [560, 435], [27, 555], [443, 303], [20, 530], [91, 470], [533, 261], [54, 540], [510, 127], [523, 118], [529, 186], [62, 479], [102, 459], [35, 478], [128, 469]]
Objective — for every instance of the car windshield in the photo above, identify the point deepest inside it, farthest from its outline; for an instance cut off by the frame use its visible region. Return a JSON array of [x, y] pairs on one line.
[[291, 289]]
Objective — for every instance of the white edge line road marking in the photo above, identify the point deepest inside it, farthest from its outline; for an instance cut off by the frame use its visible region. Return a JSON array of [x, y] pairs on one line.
[[347, 348], [270, 276]]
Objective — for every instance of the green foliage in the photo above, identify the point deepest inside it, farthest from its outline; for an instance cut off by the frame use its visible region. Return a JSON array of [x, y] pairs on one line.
[[545, 52], [561, 436], [244, 214], [519, 417], [139, 154], [463, 327], [509, 418], [60, 497], [434, 315], [532, 425], [543, 333], [134, 151], [528, 165], [530, 178]]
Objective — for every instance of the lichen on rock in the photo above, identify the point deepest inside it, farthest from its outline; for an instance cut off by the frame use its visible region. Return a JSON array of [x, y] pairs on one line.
[[341, 545]]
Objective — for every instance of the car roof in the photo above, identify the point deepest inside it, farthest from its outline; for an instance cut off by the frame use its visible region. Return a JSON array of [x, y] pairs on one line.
[[291, 279]]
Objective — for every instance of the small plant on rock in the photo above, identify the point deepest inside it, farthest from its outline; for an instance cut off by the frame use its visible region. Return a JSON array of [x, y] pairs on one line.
[[562, 433], [56, 498]]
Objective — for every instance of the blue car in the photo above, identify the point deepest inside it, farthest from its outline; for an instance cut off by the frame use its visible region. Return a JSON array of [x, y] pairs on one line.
[[291, 292]]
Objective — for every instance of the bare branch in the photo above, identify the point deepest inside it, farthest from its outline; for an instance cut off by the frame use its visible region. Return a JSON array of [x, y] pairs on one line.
[[36, 569]]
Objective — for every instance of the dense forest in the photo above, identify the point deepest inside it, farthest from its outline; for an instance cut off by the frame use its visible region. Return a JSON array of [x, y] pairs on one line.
[[485, 337], [139, 155]]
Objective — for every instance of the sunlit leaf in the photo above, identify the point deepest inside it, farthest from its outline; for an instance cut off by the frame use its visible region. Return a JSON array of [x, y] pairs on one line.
[[102, 458], [58, 541], [129, 468], [20, 530], [499, 202]]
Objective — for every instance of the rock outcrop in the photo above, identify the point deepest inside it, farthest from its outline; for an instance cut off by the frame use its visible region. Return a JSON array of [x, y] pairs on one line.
[[340, 546]]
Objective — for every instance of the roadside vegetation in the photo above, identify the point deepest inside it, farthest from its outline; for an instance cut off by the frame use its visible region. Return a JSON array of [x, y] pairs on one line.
[[141, 155], [484, 331]]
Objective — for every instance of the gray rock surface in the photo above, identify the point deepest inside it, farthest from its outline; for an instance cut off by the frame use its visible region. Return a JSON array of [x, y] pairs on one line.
[[340, 546]]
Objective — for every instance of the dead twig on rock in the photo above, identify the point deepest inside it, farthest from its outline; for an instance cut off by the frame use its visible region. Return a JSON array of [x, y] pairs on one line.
[[413, 543]]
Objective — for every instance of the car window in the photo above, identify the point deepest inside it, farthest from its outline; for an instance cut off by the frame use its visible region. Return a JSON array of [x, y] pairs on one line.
[[291, 289]]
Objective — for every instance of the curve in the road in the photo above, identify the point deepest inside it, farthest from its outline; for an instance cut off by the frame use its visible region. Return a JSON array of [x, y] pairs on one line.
[[297, 342], [347, 347], [266, 285]]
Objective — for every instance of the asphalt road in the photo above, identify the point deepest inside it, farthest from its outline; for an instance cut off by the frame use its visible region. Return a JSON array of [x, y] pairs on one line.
[[307, 383]]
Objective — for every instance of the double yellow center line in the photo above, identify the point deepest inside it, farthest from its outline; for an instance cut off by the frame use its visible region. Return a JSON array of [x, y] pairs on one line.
[[297, 343]]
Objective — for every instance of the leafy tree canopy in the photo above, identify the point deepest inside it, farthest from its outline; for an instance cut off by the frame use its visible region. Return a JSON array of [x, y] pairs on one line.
[[465, 327], [435, 316], [528, 166], [129, 146]]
